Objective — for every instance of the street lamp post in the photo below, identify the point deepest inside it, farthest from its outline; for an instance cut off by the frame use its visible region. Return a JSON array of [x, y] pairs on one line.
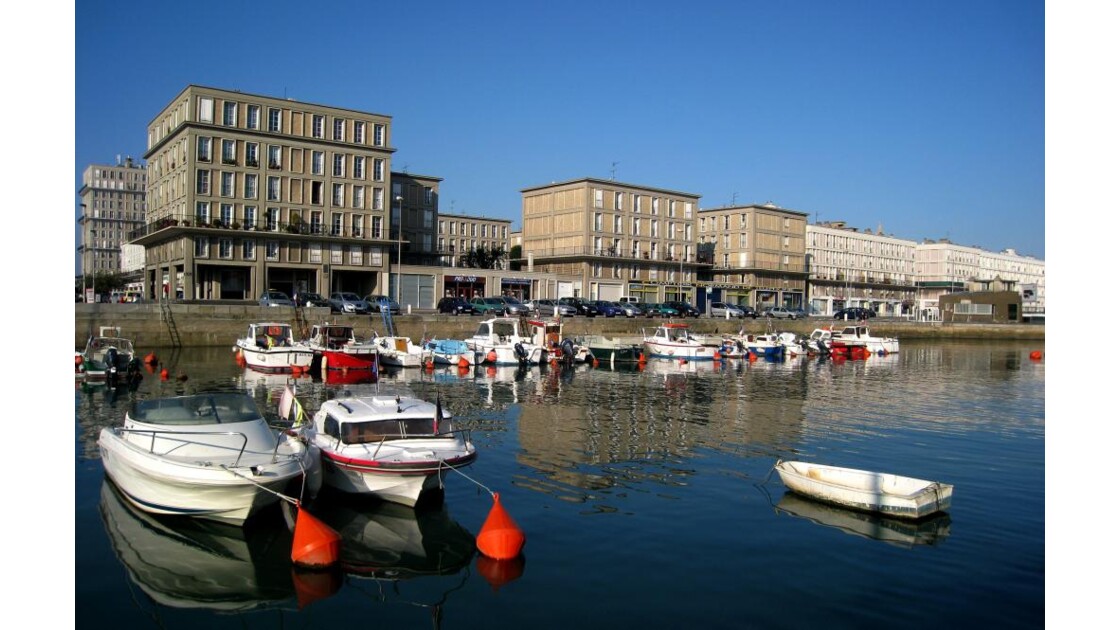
[[400, 226]]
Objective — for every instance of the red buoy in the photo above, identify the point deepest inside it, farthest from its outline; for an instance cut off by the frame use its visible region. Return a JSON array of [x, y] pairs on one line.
[[151, 359], [314, 545], [164, 374], [1036, 355], [492, 356], [641, 358], [500, 538], [463, 363]]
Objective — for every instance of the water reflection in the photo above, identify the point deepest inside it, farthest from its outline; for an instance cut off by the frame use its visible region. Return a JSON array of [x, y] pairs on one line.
[[928, 531], [193, 563]]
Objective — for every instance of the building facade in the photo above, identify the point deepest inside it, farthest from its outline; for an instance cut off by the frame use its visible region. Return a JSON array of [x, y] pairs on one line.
[[606, 239], [755, 255], [415, 207], [113, 205], [457, 236], [249, 192], [945, 267], [848, 267]]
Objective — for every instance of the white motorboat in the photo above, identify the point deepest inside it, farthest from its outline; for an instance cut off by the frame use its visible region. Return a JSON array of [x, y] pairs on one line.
[[444, 352], [674, 341], [398, 352], [549, 335], [107, 356], [763, 345], [861, 336], [270, 346], [389, 446], [884, 493], [501, 341], [819, 341], [207, 455]]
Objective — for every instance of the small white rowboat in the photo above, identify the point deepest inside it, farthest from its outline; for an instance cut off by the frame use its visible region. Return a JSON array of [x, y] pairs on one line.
[[894, 495]]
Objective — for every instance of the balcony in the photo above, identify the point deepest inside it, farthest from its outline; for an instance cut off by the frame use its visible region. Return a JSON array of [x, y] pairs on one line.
[[252, 163], [170, 228], [572, 254]]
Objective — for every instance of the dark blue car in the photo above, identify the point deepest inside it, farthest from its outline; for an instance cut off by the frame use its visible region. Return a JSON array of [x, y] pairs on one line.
[[609, 309]]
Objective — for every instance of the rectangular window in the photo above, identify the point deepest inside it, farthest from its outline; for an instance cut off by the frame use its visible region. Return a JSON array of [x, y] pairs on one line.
[[316, 222], [359, 200], [227, 184], [656, 206], [203, 149], [379, 170], [202, 213], [428, 195], [339, 165], [359, 167], [250, 185], [316, 162], [229, 113], [273, 156], [316, 126], [251, 216], [653, 229], [272, 250], [317, 193], [378, 199], [379, 135], [598, 198], [229, 152], [273, 119], [336, 224], [249, 249], [253, 117], [337, 194], [272, 219], [636, 203], [225, 214], [672, 207], [376, 227], [356, 226], [201, 247], [202, 179], [359, 132], [617, 224], [206, 109], [340, 129], [618, 201], [274, 189], [252, 158]]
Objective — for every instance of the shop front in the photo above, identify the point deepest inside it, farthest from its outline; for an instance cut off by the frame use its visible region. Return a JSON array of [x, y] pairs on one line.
[[647, 293], [467, 287], [517, 288]]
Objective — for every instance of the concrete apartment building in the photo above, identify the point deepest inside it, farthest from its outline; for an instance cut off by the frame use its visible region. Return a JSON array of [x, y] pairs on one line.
[[415, 207], [849, 267], [113, 205], [755, 255], [945, 267], [605, 239], [250, 192], [460, 234]]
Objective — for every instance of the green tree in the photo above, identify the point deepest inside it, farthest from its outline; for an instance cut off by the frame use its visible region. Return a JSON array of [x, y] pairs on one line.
[[483, 258], [515, 254], [101, 282]]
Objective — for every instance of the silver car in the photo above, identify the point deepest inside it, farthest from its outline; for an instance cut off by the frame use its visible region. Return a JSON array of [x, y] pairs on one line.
[[547, 307], [344, 302], [723, 309], [630, 309], [275, 298]]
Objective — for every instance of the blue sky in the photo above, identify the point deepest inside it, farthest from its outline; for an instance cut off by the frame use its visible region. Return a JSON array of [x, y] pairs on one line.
[[926, 118]]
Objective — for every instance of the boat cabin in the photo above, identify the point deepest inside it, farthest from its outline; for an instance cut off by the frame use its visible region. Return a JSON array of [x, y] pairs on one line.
[[676, 333], [271, 335], [332, 336], [500, 330], [381, 418]]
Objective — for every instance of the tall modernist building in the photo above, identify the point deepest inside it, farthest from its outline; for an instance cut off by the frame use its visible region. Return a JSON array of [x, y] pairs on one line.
[[611, 239], [112, 206], [756, 255], [946, 267], [249, 192], [413, 215], [848, 267]]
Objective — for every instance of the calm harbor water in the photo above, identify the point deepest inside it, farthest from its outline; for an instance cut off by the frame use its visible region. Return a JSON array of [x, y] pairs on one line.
[[646, 498]]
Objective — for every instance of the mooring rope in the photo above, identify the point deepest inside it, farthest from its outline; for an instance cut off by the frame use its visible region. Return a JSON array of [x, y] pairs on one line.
[[294, 501], [442, 464]]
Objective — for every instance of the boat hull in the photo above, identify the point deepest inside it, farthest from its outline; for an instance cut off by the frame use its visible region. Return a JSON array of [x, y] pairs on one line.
[[892, 495], [338, 360], [395, 482], [630, 353], [277, 359], [686, 351]]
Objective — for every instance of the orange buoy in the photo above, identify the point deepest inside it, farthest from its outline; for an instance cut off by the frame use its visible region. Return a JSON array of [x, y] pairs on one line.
[[430, 364], [500, 538], [1036, 355], [752, 357], [594, 362], [311, 586], [163, 374], [151, 358], [296, 370], [498, 573], [492, 356], [641, 357], [314, 544], [684, 361], [463, 363], [78, 359]]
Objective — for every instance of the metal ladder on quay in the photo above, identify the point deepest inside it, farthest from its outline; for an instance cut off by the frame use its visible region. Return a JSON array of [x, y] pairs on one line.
[[301, 324], [172, 329]]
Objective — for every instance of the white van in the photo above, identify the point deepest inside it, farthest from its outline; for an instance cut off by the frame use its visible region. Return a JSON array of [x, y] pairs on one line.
[[628, 300]]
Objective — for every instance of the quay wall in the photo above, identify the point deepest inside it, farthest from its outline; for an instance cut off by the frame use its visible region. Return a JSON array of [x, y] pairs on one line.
[[201, 325]]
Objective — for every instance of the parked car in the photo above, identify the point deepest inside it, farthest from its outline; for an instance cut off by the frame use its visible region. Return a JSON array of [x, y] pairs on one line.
[[723, 309], [344, 302], [631, 309], [684, 308], [546, 307], [378, 303], [854, 312], [779, 312], [489, 306], [273, 297], [582, 306], [456, 306], [661, 310], [515, 306], [799, 313], [310, 299], [609, 309], [749, 311]]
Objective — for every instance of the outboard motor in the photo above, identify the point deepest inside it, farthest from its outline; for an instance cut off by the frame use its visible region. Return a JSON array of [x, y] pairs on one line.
[[132, 374], [522, 355], [111, 358], [569, 351]]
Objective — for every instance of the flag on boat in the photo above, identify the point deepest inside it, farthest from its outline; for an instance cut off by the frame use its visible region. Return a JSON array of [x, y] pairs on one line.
[[290, 409]]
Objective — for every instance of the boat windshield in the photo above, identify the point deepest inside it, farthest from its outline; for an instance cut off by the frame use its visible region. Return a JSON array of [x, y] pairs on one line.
[[378, 430], [198, 409]]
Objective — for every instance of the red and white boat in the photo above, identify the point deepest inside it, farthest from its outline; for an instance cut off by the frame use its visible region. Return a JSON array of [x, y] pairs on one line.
[[386, 445], [269, 346], [854, 340], [336, 348]]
